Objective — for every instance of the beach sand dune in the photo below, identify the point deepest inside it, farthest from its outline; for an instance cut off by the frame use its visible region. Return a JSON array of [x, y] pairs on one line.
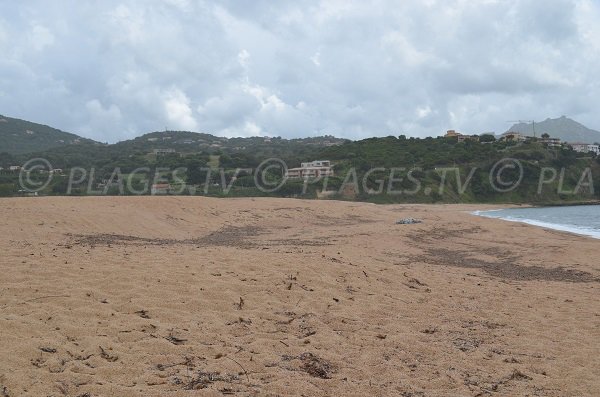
[[180, 296]]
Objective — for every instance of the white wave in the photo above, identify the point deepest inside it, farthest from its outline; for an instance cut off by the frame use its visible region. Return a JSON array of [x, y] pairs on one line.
[[580, 230], [483, 212]]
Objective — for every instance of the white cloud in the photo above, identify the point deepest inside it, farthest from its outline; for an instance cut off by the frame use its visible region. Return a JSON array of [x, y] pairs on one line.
[[267, 100], [118, 68], [3, 36], [106, 120], [183, 5], [316, 59], [423, 112], [40, 37], [243, 58], [251, 129], [129, 23], [399, 45], [178, 110]]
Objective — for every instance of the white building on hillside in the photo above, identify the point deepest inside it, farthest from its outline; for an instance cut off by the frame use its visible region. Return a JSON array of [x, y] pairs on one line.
[[162, 152], [585, 147], [513, 136], [551, 142], [313, 169], [461, 137]]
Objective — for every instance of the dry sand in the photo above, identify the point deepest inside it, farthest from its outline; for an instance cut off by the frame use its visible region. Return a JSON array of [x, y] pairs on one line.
[[182, 296]]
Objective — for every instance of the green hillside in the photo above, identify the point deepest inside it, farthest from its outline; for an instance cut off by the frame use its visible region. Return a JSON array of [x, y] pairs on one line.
[[138, 152], [422, 164], [20, 136], [382, 170]]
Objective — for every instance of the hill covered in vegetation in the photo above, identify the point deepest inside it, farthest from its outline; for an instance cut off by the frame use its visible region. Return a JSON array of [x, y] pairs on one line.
[[445, 170], [383, 169], [20, 136]]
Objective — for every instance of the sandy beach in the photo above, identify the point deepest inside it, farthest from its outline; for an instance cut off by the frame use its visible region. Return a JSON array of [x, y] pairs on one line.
[[182, 296]]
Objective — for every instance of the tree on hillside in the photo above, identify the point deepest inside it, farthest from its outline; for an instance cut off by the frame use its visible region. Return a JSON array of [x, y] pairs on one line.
[[487, 138], [195, 173]]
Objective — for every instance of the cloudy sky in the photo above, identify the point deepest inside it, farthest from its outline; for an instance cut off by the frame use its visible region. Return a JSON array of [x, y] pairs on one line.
[[111, 70]]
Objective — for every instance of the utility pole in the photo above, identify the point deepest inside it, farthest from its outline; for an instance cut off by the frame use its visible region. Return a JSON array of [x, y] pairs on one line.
[[525, 121]]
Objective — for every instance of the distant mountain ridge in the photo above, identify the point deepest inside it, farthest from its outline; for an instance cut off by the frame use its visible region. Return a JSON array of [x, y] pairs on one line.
[[189, 142], [563, 127], [21, 136]]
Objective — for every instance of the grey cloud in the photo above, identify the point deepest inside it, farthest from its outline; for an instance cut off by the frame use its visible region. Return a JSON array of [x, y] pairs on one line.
[[115, 69]]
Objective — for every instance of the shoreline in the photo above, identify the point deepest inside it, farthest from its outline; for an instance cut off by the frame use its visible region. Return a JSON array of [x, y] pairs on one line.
[[548, 226], [567, 204], [566, 228], [491, 203]]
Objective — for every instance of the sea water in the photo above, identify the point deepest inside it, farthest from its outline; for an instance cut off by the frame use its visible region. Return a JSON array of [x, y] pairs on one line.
[[580, 219]]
